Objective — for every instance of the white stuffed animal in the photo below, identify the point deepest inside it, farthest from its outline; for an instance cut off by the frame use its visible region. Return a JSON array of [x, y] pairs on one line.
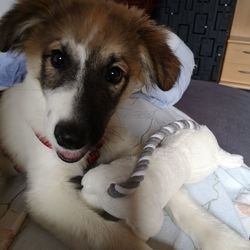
[[137, 190]]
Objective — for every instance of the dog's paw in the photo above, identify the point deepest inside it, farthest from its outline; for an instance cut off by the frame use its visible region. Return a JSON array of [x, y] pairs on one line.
[[77, 182]]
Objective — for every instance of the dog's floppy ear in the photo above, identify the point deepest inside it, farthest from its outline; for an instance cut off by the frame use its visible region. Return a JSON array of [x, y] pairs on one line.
[[18, 23], [159, 62]]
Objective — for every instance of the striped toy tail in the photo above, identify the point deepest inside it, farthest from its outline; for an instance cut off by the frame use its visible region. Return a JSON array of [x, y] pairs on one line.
[[129, 187]]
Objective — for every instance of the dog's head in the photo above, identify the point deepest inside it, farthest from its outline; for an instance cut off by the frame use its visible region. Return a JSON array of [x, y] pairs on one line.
[[88, 56]]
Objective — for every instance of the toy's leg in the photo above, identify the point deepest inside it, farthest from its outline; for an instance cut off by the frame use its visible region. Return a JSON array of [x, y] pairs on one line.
[[206, 231], [228, 160]]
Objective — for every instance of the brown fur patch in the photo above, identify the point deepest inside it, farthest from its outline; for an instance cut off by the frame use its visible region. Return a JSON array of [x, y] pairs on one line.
[[33, 25]]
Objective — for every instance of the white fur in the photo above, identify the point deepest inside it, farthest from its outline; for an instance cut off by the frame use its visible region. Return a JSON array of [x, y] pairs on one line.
[[79, 51], [59, 108]]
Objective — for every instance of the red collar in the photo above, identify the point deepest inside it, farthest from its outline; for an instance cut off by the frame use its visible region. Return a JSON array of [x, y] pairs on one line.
[[92, 158], [94, 155], [44, 141]]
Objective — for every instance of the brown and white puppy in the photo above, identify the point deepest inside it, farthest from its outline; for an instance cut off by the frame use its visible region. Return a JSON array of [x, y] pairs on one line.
[[87, 55], [84, 57]]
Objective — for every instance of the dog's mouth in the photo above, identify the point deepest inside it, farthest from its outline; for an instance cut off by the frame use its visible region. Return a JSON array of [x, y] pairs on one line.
[[66, 155], [71, 156]]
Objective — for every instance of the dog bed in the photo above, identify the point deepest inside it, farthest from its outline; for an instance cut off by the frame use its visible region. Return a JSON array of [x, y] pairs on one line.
[[204, 102]]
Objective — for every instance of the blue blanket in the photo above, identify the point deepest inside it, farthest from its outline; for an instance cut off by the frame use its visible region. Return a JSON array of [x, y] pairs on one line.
[[12, 69]]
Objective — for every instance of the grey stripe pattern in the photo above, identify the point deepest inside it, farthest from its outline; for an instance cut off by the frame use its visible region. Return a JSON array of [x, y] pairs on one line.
[[128, 187]]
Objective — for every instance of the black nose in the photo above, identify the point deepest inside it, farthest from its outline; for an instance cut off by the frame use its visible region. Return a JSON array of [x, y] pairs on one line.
[[69, 136]]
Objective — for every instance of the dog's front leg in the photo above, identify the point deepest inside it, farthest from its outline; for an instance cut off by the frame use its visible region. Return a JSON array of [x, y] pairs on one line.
[[55, 203], [207, 232]]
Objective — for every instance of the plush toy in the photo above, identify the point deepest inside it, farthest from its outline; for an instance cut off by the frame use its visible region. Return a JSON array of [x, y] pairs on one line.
[[137, 190]]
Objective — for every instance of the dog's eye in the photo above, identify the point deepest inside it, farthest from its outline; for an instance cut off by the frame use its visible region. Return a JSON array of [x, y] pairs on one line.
[[114, 75], [57, 59]]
